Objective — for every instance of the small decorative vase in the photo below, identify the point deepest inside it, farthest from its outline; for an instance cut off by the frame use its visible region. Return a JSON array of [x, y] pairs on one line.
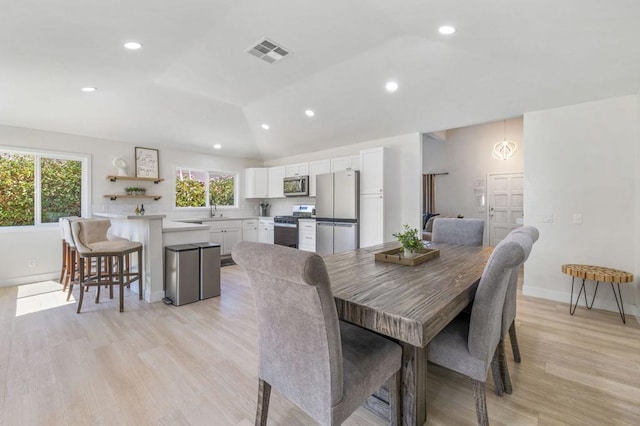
[[408, 253]]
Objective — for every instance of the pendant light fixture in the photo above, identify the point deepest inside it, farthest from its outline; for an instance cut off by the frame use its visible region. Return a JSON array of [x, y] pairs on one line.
[[506, 149]]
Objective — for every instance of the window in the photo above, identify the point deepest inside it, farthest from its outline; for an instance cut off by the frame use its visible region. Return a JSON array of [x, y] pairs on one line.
[[195, 188], [39, 187]]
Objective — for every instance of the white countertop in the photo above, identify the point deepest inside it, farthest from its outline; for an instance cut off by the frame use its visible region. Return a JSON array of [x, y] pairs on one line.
[[131, 217], [212, 219], [170, 226]]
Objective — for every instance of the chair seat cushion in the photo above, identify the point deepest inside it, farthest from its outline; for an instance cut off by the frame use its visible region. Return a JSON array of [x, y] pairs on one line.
[[113, 247], [368, 361], [450, 349]]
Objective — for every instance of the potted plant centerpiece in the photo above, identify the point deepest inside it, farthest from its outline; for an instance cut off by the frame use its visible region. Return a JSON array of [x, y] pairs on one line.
[[410, 240]]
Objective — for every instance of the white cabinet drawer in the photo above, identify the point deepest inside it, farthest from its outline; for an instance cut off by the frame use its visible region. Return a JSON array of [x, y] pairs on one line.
[[307, 235], [226, 224], [307, 226], [250, 223]]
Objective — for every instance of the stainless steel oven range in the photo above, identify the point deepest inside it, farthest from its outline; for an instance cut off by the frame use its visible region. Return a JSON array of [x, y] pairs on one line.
[[285, 231], [285, 228]]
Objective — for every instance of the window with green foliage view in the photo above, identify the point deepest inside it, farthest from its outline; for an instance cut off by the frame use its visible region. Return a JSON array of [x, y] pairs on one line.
[[36, 188], [196, 188]]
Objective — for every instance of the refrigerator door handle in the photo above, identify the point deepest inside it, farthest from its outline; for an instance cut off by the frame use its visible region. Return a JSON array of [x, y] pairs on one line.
[[345, 225], [325, 224]]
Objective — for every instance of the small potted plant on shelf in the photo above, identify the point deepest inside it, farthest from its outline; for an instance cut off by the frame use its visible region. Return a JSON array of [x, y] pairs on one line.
[[135, 190], [410, 240]]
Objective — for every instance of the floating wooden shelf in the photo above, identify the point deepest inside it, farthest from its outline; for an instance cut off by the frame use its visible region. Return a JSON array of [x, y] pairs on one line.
[[115, 197], [114, 178]]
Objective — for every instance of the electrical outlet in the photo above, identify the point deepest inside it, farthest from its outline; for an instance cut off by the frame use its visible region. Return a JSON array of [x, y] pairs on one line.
[[547, 218], [577, 218], [32, 263]]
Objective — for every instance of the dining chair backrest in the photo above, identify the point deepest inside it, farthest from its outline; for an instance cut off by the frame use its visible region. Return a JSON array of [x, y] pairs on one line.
[[486, 315], [88, 231], [526, 236], [531, 231], [298, 328], [468, 232]]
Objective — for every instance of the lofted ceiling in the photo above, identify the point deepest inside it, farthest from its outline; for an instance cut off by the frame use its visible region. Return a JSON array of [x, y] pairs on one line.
[[192, 85]]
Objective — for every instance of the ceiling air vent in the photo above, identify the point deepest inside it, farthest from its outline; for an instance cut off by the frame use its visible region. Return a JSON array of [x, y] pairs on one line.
[[268, 51]]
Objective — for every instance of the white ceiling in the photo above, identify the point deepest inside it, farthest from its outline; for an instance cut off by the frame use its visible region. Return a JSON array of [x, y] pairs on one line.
[[193, 85]]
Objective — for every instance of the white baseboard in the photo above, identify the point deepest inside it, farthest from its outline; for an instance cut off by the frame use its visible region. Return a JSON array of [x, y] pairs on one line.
[[604, 303], [30, 279], [156, 296]]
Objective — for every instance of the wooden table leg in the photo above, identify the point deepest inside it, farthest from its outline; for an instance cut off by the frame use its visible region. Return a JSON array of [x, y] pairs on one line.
[[414, 385]]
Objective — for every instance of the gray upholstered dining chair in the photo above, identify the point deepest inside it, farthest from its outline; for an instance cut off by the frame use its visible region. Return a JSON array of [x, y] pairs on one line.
[[468, 232], [326, 367], [526, 236], [468, 344]]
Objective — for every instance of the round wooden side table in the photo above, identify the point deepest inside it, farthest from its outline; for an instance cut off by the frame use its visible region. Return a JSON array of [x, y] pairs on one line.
[[598, 274]]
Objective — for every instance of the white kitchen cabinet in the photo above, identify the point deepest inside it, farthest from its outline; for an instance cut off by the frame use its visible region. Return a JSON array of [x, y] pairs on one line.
[[345, 163], [316, 168], [372, 170], [265, 230], [307, 234], [300, 169], [256, 182], [371, 219], [250, 230], [380, 197], [226, 233], [276, 178]]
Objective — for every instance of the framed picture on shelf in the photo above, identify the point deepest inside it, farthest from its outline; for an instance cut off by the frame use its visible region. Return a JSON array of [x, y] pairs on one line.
[[147, 163]]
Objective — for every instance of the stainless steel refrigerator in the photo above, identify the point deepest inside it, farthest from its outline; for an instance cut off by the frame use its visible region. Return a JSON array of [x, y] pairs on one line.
[[337, 212]]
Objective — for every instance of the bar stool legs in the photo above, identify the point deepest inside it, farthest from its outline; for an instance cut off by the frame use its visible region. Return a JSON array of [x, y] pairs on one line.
[[109, 275]]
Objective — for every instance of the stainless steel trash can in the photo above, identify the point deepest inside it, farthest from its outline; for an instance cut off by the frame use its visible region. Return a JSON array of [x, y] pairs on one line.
[[209, 269], [181, 274]]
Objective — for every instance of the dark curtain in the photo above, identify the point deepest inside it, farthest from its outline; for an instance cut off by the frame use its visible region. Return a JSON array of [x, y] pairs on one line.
[[429, 198]]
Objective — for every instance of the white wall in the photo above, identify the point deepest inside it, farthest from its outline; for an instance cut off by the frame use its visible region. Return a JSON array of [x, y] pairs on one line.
[[44, 246], [405, 153], [466, 155], [582, 159], [637, 198]]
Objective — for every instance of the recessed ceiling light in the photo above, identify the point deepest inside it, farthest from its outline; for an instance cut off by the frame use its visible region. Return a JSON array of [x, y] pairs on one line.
[[89, 89], [309, 113], [133, 45], [217, 146], [391, 86], [265, 126], [446, 29]]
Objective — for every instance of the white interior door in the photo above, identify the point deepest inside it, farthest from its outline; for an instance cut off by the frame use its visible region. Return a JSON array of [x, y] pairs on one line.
[[506, 204]]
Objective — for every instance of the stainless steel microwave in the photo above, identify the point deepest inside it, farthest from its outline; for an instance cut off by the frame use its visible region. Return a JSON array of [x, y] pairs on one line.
[[296, 186]]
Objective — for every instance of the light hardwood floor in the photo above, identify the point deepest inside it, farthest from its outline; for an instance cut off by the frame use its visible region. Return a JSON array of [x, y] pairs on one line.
[[196, 365]]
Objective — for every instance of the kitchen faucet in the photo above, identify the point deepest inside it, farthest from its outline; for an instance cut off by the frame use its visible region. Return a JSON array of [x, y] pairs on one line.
[[212, 210]]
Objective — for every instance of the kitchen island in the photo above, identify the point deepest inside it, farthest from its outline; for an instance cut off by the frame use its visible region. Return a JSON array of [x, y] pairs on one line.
[[154, 232]]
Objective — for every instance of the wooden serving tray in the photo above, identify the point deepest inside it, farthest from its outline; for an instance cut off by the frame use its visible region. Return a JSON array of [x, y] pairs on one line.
[[395, 256]]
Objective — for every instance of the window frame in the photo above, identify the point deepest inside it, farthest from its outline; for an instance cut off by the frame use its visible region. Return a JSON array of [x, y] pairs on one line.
[[38, 154], [208, 173]]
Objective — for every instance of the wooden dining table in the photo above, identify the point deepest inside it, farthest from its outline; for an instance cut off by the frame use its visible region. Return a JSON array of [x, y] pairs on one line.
[[409, 304]]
